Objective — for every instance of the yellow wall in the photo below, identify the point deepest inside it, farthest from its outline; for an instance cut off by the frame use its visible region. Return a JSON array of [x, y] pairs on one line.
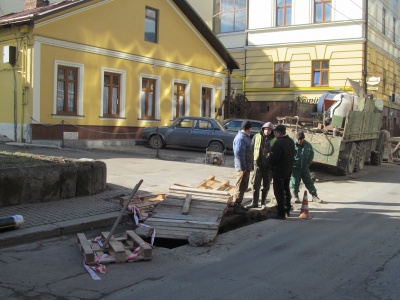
[[345, 62], [119, 26]]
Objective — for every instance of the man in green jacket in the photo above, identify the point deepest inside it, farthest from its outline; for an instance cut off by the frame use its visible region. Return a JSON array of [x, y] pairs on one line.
[[303, 157]]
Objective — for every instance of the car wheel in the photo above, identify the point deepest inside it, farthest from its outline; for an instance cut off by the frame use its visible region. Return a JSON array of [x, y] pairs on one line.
[[216, 146], [156, 142]]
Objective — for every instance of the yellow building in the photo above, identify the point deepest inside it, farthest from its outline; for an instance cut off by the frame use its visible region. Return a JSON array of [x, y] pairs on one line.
[[101, 69]]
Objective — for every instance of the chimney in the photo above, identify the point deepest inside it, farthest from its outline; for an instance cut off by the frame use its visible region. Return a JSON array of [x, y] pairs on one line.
[[32, 4]]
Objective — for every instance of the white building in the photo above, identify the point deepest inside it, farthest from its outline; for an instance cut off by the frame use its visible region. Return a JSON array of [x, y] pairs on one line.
[[292, 50]]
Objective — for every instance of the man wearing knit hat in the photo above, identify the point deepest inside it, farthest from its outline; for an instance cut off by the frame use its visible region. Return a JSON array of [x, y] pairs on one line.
[[303, 157], [262, 143], [243, 159], [282, 160]]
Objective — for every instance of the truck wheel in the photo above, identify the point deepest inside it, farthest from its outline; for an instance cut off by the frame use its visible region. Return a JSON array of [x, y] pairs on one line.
[[360, 161], [155, 142], [216, 146], [352, 158], [376, 158]]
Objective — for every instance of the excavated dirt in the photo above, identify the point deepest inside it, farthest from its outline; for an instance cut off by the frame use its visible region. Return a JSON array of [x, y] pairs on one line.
[[18, 159]]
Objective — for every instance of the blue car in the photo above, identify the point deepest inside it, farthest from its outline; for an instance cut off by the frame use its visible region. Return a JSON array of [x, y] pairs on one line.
[[198, 132]]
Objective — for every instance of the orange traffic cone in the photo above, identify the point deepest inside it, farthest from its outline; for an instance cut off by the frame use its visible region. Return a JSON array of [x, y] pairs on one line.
[[305, 213]]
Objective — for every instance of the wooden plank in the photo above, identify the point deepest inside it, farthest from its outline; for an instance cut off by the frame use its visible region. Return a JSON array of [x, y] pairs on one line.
[[86, 249], [194, 203], [195, 190], [203, 197], [145, 252], [182, 234], [186, 205], [116, 247], [204, 183], [202, 218], [155, 222]]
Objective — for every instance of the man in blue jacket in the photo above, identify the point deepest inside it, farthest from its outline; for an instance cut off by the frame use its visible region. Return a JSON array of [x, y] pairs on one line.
[[303, 157], [243, 158]]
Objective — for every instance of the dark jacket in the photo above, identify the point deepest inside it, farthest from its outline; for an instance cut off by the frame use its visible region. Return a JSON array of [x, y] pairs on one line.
[[282, 158], [262, 145]]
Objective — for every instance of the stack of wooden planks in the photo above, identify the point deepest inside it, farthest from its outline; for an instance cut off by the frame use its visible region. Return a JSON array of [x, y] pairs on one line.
[[186, 210]]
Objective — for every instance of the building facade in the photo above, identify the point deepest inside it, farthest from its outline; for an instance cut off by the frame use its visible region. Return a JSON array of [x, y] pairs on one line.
[[88, 69], [293, 50]]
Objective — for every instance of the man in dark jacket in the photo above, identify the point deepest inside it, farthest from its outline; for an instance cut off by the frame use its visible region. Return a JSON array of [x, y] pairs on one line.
[[282, 159], [303, 157], [262, 143]]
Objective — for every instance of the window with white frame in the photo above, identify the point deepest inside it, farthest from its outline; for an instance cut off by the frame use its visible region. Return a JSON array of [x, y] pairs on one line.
[[206, 101], [113, 93], [323, 11], [149, 97], [68, 89], [180, 99], [283, 12]]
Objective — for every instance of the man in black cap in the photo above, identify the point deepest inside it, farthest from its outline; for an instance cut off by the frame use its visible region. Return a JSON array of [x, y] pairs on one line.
[[243, 158], [282, 160]]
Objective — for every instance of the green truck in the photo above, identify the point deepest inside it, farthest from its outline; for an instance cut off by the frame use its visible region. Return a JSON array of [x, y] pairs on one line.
[[345, 131]]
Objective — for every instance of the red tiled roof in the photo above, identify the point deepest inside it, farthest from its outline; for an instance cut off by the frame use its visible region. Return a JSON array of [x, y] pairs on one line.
[[27, 16]]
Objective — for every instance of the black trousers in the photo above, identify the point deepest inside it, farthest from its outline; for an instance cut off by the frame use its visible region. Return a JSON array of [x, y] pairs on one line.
[[282, 195]]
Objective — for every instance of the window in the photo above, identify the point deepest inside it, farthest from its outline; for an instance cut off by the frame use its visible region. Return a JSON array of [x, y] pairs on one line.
[[320, 72], [394, 30], [229, 15], [151, 25], [206, 96], [148, 98], [111, 94], [282, 74], [179, 100], [67, 90], [323, 11], [383, 21], [283, 12]]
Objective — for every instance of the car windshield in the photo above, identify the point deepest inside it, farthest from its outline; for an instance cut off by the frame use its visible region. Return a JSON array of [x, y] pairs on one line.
[[219, 124]]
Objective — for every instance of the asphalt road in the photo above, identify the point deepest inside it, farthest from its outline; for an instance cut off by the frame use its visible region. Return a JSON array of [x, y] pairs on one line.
[[349, 250]]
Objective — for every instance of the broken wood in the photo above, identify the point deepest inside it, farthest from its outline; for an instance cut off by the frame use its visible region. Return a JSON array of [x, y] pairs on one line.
[[186, 205]]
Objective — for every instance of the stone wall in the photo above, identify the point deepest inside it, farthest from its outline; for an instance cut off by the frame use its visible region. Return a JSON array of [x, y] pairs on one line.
[[22, 185]]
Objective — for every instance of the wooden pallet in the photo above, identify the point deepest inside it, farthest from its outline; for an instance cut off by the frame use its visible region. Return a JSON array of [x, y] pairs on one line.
[[118, 249], [212, 184], [186, 211]]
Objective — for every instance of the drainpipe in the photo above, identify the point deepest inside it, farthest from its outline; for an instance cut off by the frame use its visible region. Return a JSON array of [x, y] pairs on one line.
[[365, 63], [23, 89], [229, 92]]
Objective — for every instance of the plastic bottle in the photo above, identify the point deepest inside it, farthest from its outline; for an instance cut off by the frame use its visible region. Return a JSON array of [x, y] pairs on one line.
[[334, 131], [12, 222]]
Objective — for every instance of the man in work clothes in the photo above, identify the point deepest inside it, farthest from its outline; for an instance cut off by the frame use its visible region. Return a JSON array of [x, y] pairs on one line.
[[282, 159], [243, 158], [303, 157], [262, 143]]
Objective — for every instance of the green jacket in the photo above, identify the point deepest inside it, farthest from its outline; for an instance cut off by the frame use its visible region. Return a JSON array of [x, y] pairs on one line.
[[303, 155]]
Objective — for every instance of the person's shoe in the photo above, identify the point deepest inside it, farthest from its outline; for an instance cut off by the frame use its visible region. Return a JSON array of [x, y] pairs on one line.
[[238, 209], [296, 199], [263, 206], [316, 199], [277, 217], [252, 205]]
